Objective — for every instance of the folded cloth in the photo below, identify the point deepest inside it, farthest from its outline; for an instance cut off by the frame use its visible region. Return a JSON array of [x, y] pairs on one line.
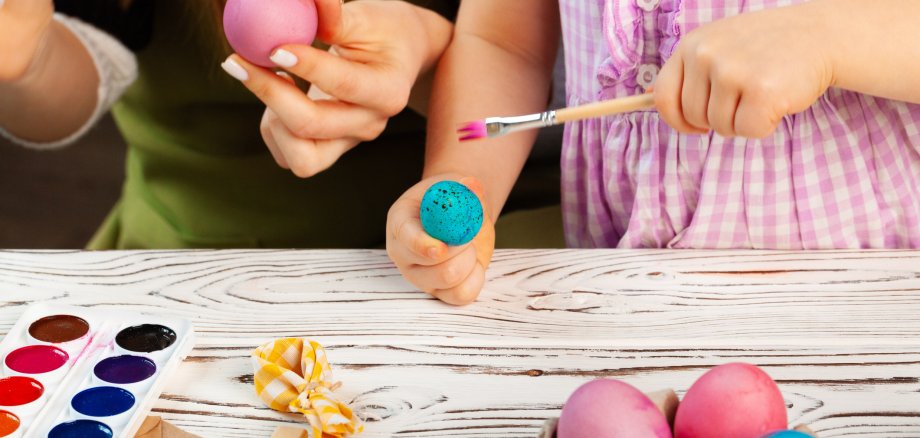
[[155, 427], [293, 375], [289, 432]]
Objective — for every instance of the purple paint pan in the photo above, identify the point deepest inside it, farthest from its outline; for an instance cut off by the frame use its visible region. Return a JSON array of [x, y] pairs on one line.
[[125, 369]]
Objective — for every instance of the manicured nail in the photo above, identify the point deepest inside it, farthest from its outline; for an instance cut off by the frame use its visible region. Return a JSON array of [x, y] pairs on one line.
[[236, 70], [284, 58]]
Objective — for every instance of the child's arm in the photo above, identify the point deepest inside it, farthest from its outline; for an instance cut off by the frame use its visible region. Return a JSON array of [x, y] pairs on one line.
[[48, 81], [499, 63], [874, 46], [740, 76]]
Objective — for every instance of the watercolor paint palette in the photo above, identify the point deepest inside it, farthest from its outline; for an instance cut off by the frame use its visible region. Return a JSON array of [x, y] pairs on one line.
[[83, 372]]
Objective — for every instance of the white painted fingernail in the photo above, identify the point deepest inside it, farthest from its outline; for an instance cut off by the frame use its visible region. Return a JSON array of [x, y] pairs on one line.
[[284, 58], [236, 70]]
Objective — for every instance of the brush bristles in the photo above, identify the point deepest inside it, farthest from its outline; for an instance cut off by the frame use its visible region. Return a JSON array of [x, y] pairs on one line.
[[473, 131]]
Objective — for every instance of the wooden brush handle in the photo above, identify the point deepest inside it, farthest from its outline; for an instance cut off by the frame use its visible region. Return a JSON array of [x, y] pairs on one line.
[[606, 108]]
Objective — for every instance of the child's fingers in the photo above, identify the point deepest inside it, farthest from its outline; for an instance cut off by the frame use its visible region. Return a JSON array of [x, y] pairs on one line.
[[346, 80], [409, 243], [753, 118], [269, 138], [694, 94], [467, 291], [723, 104], [668, 88], [445, 275]]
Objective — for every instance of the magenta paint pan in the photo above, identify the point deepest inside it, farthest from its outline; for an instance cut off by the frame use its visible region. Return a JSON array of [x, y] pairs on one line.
[[45, 361], [86, 372]]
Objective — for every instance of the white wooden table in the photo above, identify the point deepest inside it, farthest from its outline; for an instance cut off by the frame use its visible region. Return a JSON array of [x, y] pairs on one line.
[[840, 331]]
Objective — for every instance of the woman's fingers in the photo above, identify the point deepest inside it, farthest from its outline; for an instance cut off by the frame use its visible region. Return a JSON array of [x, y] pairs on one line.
[[27, 8], [330, 19], [306, 157], [308, 119], [344, 79], [265, 127]]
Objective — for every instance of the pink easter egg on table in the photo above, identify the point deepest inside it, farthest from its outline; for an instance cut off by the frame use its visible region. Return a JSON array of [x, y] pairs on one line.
[[607, 408], [734, 400], [255, 28]]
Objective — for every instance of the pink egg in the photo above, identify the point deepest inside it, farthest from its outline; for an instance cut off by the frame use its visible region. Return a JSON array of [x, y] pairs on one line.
[[255, 28], [735, 400], [608, 408]]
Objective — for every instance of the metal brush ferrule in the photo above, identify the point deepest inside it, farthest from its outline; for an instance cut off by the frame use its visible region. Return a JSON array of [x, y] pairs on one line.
[[496, 126]]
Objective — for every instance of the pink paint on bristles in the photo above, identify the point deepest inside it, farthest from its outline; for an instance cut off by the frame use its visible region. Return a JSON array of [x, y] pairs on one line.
[[473, 130]]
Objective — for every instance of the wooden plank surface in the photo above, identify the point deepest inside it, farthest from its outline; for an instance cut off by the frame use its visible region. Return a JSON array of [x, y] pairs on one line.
[[839, 331]]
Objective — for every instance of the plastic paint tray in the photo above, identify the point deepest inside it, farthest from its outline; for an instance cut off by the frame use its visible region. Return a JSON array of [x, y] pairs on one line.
[[72, 371]]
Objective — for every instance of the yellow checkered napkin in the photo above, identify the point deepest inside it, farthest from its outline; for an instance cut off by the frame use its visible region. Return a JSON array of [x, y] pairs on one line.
[[293, 375]]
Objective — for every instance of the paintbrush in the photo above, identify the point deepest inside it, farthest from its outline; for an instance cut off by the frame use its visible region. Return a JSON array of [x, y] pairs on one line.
[[498, 126]]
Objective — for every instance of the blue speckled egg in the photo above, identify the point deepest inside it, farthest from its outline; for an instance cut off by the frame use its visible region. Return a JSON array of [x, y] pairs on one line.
[[451, 213], [788, 434]]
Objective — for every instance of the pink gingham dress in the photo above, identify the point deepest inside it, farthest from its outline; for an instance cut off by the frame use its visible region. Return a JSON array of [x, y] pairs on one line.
[[843, 174]]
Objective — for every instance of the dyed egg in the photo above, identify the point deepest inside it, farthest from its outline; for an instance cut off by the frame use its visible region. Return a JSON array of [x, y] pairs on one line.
[[451, 213], [255, 28], [734, 400], [607, 408], [788, 434]]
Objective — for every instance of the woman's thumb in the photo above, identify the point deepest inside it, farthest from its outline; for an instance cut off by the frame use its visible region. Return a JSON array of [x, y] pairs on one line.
[[330, 20]]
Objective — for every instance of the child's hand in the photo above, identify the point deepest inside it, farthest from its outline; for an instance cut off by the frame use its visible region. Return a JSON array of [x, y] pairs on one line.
[[23, 24], [454, 275], [379, 48], [740, 76]]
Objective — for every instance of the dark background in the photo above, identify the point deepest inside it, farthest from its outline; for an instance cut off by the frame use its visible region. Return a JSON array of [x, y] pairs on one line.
[[57, 198]]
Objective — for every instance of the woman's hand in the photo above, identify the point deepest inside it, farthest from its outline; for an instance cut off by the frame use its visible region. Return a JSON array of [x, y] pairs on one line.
[[23, 29], [378, 50], [455, 274], [740, 76]]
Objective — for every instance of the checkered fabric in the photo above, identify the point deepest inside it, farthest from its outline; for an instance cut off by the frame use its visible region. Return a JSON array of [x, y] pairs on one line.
[[293, 375]]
